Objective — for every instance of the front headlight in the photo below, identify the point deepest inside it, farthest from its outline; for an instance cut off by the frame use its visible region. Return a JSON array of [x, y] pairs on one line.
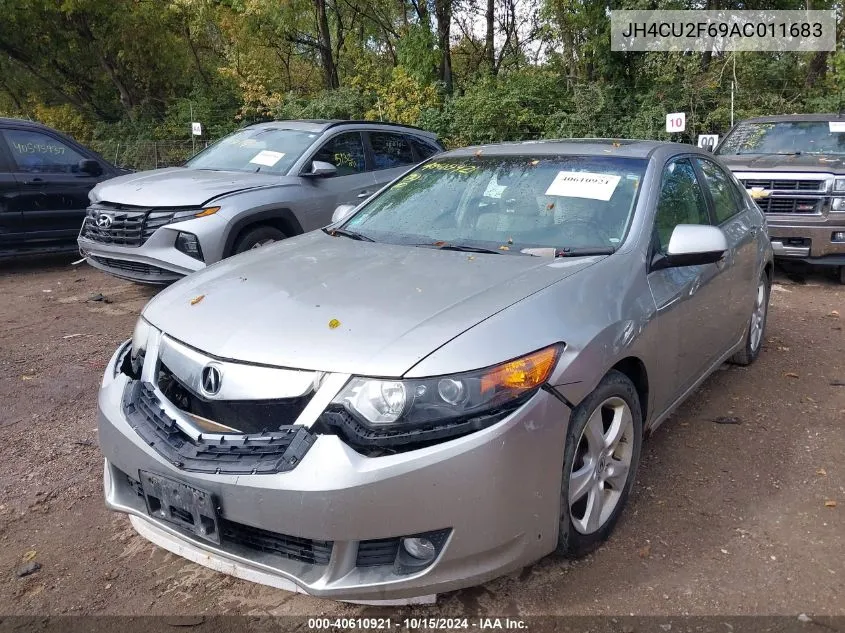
[[190, 214], [390, 406], [839, 184], [140, 334]]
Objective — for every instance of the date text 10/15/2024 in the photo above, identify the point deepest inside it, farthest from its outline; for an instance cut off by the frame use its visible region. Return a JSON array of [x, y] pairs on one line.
[[446, 624]]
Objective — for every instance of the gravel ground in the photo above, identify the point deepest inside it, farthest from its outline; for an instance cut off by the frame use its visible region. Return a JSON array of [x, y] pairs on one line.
[[743, 518]]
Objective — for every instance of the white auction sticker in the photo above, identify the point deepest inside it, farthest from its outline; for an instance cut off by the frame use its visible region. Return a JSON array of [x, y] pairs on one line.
[[837, 126], [583, 184], [267, 157]]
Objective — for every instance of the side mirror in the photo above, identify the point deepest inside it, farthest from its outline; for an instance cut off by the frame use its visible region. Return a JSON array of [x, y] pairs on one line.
[[320, 169], [342, 212], [90, 166], [693, 245]]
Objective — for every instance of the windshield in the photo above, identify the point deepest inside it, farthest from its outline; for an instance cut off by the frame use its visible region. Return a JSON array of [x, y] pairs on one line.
[[265, 150], [507, 204], [788, 137]]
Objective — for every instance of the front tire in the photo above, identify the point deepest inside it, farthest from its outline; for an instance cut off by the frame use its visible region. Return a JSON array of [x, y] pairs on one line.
[[256, 238], [600, 464], [757, 324]]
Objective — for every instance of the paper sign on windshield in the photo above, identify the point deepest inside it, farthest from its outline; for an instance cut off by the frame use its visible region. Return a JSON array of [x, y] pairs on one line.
[[583, 184], [837, 126], [267, 157]]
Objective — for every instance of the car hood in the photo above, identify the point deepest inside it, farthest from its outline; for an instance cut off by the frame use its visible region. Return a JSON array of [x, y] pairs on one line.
[[180, 186], [832, 163], [334, 304]]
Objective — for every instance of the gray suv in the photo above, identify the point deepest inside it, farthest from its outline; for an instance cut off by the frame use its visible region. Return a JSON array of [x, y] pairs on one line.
[[258, 185]]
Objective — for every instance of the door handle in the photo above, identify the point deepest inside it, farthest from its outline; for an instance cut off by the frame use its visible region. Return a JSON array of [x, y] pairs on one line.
[[365, 194]]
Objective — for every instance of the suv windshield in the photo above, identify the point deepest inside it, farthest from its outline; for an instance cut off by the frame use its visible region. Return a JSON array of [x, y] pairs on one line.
[[266, 150], [507, 204], [786, 137]]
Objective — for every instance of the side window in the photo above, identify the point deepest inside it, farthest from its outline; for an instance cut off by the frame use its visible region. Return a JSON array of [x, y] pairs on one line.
[[726, 202], [390, 150], [424, 148], [33, 151], [344, 151], [681, 201]]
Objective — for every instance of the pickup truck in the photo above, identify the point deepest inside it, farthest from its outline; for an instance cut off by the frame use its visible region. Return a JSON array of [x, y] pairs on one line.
[[794, 168]]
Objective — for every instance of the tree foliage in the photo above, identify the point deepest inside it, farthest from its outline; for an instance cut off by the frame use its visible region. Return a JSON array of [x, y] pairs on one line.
[[474, 71]]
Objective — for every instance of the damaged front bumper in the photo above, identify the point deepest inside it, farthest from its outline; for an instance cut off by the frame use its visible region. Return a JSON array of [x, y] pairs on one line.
[[333, 525]]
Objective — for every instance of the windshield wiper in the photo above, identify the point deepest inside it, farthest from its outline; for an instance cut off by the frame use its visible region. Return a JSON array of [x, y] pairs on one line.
[[350, 234], [457, 247], [584, 251]]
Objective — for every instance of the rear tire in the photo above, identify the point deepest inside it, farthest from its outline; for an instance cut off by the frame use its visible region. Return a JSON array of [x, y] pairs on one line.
[[600, 464], [756, 325], [256, 238]]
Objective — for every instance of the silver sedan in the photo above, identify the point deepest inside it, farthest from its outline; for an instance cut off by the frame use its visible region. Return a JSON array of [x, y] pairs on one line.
[[449, 382]]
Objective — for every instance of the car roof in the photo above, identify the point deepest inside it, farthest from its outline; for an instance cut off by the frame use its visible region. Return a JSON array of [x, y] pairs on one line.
[[781, 118], [321, 125], [627, 148], [24, 123]]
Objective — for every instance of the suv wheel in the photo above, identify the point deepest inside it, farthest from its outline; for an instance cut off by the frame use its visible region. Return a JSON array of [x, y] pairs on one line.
[[257, 237], [756, 325], [600, 463]]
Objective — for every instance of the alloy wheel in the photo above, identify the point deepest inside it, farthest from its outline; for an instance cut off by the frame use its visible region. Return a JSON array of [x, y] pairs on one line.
[[601, 466], [758, 317]]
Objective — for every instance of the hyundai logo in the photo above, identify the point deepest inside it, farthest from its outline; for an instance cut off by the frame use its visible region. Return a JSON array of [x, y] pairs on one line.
[[104, 220], [212, 378]]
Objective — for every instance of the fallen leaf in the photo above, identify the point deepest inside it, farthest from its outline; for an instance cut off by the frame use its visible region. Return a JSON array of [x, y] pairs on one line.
[[504, 248], [830, 503], [25, 377], [645, 551], [617, 145], [790, 374], [478, 153], [535, 161], [724, 551], [550, 206], [29, 555], [440, 243], [196, 300], [822, 472], [470, 258], [834, 314], [334, 324]]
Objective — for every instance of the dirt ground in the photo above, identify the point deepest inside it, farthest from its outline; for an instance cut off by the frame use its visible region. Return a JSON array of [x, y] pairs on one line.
[[744, 518]]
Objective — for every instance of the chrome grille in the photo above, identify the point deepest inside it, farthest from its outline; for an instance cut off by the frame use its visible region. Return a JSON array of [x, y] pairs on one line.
[[129, 226], [785, 185], [781, 204]]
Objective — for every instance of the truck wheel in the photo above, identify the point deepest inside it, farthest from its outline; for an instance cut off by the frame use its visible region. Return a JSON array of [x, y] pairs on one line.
[[599, 464], [756, 324], [257, 237]]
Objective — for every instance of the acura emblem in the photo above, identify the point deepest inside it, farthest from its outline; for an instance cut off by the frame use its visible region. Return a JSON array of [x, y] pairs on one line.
[[104, 220], [212, 378]]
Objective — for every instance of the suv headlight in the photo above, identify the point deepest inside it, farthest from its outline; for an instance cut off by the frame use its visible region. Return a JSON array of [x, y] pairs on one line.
[[140, 334], [377, 412], [190, 214], [839, 184]]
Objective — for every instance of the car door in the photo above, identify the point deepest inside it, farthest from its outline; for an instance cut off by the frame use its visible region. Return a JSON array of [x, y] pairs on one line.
[[351, 184], [391, 156], [11, 222], [689, 299], [52, 191], [740, 227]]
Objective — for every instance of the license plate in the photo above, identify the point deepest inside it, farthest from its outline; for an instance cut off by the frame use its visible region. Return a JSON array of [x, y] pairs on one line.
[[188, 508]]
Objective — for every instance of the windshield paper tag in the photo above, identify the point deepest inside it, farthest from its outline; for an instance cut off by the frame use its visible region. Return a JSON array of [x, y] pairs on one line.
[[583, 184], [837, 126], [267, 158]]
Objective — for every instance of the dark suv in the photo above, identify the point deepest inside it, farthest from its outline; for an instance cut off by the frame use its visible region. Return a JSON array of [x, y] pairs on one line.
[[794, 168], [45, 177]]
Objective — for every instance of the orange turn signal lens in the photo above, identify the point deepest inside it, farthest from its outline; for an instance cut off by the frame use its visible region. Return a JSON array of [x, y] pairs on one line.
[[522, 374], [208, 211]]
